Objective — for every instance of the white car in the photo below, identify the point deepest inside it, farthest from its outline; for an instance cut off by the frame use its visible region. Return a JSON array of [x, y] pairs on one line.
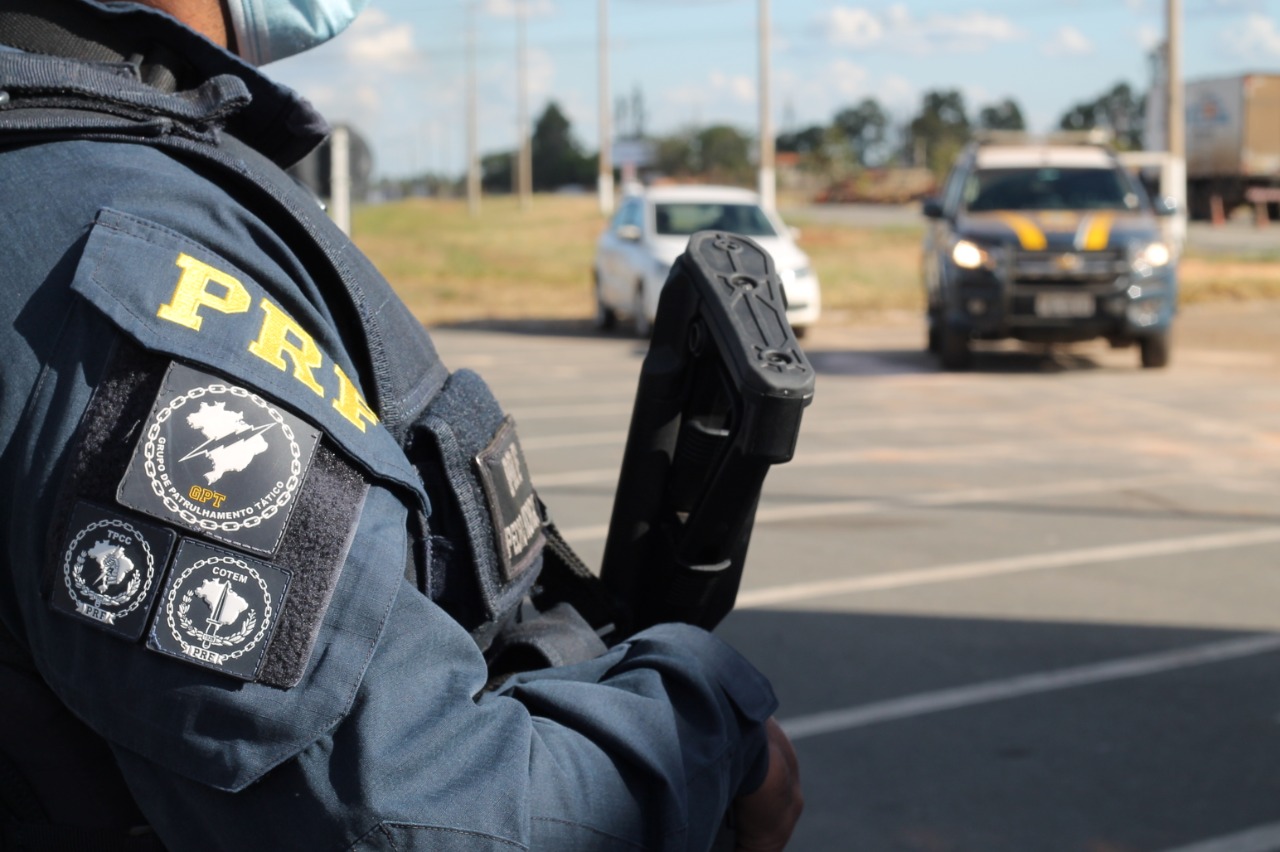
[[652, 228]]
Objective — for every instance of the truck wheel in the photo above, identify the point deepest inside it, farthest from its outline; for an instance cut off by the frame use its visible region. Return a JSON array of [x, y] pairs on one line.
[[1155, 350], [933, 323], [953, 349], [605, 318]]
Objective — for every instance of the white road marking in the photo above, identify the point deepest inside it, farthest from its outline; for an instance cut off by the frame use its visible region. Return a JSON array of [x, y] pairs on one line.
[[910, 706], [844, 508], [1264, 838], [1008, 565], [582, 439]]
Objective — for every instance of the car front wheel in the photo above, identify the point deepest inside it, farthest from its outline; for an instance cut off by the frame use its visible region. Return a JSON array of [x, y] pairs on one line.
[[643, 326], [605, 318]]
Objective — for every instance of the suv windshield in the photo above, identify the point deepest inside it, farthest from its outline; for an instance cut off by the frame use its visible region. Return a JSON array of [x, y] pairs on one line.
[[683, 219], [1049, 189]]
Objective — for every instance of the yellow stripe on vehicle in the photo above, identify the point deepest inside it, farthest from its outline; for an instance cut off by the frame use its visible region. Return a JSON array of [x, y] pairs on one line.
[[1028, 233], [1097, 231]]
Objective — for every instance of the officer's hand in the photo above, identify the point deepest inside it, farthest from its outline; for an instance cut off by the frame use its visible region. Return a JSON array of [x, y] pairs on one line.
[[765, 819]]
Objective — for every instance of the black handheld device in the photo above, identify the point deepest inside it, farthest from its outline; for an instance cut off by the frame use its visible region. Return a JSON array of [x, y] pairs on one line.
[[719, 401]]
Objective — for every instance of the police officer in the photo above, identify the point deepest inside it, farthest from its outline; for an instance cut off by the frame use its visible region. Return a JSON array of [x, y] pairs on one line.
[[261, 550]]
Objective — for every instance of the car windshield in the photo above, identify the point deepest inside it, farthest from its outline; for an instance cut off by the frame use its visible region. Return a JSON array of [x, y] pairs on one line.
[[685, 218], [1049, 189]]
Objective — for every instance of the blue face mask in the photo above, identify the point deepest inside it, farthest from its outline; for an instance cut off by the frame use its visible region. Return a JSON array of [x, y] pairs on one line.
[[267, 30]]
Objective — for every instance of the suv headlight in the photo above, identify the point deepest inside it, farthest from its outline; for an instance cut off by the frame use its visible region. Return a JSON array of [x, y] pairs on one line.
[[1154, 254], [967, 255]]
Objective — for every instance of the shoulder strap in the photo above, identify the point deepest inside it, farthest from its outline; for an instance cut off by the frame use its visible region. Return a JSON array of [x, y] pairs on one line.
[[388, 340]]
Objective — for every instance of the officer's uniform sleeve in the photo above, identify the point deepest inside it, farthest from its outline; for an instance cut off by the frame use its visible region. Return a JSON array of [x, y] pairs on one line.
[[245, 639]]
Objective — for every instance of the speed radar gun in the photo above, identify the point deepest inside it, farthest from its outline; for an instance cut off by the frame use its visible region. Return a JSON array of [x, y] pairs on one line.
[[719, 402]]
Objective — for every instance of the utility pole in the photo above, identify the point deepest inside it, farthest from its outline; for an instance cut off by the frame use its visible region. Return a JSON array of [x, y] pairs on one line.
[[604, 181], [1175, 114], [473, 158], [524, 169], [340, 177], [768, 175]]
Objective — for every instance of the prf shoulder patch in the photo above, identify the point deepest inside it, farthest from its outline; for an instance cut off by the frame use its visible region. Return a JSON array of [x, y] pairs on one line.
[[218, 609], [219, 460], [111, 569]]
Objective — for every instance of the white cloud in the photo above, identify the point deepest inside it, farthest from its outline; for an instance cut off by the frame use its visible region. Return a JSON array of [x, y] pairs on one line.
[[848, 79], [854, 27], [897, 29], [897, 94], [737, 86], [1255, 38], [1149, 36], [1067, 41], [374, 40], [511, 8]]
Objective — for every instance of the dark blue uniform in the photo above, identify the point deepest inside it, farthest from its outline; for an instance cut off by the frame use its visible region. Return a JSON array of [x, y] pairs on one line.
[[256, 537]]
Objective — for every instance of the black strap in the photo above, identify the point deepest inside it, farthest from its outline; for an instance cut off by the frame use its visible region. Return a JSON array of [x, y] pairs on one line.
[[566, 578], [78, 32]]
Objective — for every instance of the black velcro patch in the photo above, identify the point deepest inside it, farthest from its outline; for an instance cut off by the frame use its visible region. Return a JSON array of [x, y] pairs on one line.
[[218, 609], [219, 460], [111, 569], [517, 526]]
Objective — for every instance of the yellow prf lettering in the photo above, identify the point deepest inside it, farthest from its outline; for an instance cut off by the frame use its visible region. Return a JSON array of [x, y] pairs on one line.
[[192, 293], [350, 404], [281, 334]]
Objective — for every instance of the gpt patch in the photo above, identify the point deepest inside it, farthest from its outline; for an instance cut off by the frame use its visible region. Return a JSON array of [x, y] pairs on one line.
[[218, 609], [111, 569], [219, 460]]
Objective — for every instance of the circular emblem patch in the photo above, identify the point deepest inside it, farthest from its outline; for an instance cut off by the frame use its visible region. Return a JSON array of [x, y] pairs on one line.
[[108, 569], [219, 609], [219, 460], [209, 432]]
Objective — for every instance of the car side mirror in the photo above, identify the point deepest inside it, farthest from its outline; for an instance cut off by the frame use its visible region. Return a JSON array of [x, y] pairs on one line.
[[630, 233], [1166, 206], [932, 208]]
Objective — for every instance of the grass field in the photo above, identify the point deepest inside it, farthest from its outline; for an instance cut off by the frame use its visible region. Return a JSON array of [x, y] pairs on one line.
[[509, 263]]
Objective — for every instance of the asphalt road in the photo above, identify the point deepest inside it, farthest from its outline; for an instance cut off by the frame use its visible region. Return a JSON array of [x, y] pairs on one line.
[[1029, 607]]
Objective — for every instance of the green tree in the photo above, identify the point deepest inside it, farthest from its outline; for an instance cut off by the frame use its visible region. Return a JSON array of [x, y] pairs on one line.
[[1005, 115], [805, 141], [1118, 110], [724, 153], [558, 159], [863, 127], [497, 172], [941, 128]]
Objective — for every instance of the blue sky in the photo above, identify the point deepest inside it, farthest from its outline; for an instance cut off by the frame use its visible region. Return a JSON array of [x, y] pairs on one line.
[[399, 74]]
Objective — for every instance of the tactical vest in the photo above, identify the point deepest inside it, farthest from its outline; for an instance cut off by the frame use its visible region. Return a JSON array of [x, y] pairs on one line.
[[485, 549]]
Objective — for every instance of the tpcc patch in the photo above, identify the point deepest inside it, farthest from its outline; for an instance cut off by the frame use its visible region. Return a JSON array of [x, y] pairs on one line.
[[218, 609], [111, 569], [219, 460], [517, 525]]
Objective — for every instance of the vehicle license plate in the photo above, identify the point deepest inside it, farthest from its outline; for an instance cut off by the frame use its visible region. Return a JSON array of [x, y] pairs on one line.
[[1065, 304]]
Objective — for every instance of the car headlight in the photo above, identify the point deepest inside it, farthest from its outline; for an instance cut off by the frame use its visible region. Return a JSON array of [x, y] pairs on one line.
[[967, 255], [1154, 254]]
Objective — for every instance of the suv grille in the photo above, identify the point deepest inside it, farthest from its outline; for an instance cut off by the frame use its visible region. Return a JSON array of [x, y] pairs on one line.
[[1059, 268]]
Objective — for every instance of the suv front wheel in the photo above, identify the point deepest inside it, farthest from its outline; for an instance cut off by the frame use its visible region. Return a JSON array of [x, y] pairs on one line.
[[1155, 350], [953, 348]]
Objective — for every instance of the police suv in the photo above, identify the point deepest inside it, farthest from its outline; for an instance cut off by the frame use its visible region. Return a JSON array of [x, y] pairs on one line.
[[1046, 243]]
